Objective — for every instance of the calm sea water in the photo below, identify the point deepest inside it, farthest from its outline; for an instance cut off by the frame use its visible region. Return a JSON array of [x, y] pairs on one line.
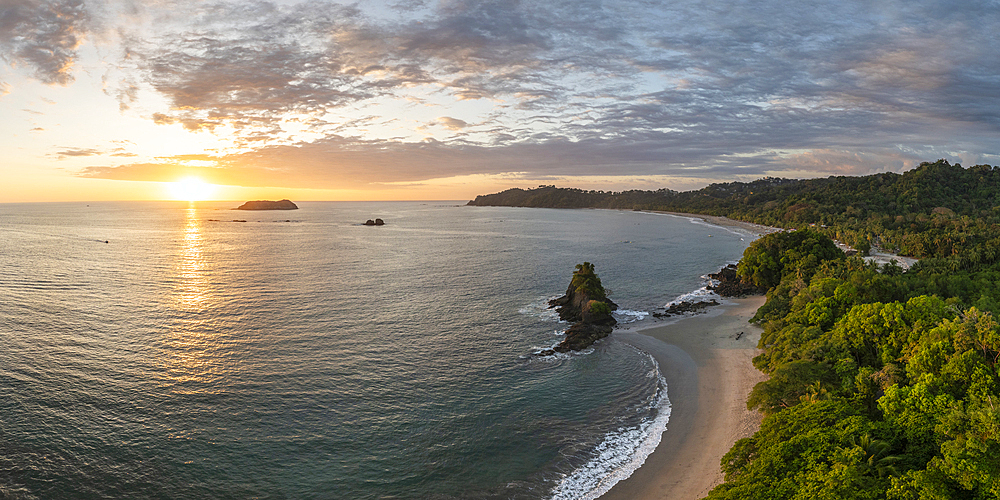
[[152, 351]]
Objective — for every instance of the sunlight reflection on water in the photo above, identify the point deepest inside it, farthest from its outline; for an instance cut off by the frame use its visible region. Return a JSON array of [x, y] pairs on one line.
[[192, 286]]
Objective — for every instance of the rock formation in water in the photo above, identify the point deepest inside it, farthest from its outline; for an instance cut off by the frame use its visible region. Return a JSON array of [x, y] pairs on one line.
[[586, 302], [376, 222], [268, 205]]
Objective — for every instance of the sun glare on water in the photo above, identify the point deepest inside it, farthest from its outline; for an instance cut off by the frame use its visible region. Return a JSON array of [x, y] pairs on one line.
[[191, 189]]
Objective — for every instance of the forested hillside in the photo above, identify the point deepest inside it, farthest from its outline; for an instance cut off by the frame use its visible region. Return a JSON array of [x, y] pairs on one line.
[[882, 383], [936, 210]]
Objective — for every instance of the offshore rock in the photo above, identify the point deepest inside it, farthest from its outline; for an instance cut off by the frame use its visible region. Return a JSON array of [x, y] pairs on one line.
[[376, 222], [587, 304], [268, 205]]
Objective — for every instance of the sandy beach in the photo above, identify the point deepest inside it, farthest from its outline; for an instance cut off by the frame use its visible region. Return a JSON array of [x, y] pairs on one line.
[[718, 220], [709, 373]]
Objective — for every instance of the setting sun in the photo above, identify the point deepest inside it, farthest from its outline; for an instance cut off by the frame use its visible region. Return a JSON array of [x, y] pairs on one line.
[[191, 189]]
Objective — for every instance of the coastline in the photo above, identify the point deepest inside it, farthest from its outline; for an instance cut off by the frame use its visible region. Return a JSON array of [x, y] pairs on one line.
[[709, 374], [718, 220], [876, 255]]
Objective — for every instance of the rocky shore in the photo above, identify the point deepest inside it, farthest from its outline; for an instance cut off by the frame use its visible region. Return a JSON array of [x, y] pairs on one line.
[[726, 283], [729, 284], [685, 307]]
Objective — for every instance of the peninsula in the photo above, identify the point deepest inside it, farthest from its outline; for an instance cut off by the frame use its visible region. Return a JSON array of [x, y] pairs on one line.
[[268, 205]]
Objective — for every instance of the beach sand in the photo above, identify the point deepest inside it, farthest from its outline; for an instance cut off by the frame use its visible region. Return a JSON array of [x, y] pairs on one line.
[[709, 374], [718, 220]]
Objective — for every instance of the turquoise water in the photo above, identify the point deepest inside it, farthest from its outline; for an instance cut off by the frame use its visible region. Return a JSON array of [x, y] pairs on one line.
[[303, 355]]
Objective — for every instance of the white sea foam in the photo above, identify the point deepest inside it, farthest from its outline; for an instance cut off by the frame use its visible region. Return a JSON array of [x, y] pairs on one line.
[[621, 452], [629, 316], [702, 294], [540, 309], [738, 231]]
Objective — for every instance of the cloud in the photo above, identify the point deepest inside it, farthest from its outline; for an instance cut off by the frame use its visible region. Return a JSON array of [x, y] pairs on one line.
[[43, 35], [78, 152], [323, 94]]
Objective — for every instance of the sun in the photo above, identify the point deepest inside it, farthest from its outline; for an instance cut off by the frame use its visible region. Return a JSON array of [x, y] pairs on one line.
[[191, 189]]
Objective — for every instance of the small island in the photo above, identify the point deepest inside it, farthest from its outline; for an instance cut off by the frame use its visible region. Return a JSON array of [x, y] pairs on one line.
[[587, 303], [268, 205]]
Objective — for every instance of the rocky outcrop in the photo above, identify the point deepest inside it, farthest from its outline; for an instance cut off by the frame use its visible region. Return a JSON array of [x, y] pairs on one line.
[[376, 222], [729, 283], [268, 205], [587, 304], [684, 308]]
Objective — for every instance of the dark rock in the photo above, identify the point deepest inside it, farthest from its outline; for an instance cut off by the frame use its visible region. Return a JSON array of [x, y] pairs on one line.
[[729, 283], [582, 335], [684, 307], [268, 205], [379, 222], [369, 222]]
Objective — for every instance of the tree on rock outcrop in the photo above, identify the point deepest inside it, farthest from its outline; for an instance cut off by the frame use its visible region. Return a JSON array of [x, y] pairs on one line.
[[586, 302]]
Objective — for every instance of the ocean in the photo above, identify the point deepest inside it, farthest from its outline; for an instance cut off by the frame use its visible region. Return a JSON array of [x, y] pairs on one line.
[[165, 350]]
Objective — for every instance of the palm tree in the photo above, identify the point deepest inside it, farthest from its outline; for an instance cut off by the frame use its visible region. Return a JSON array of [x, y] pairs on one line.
[[877, 460], [815, 392]]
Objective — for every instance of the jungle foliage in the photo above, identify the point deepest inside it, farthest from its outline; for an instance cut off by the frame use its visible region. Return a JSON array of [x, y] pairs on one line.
[[882, 384]]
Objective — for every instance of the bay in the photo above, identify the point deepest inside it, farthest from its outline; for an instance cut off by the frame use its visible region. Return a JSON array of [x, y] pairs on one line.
[[162, 350]]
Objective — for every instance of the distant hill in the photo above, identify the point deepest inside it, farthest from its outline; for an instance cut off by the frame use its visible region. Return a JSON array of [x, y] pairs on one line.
[[935, 210]]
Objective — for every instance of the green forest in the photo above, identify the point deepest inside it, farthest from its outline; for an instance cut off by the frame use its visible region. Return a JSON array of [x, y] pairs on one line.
[[882, 383]]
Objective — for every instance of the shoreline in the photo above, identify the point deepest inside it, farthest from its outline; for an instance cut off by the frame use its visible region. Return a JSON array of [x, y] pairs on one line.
[[876, 255], [726, 222], [709, 374]]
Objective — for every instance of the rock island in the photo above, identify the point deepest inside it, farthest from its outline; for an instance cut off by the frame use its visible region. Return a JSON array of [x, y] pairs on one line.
[[587, 303], [268, 205]]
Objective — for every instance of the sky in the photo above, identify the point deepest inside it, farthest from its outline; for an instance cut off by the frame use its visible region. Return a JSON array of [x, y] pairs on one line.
[[447, 99]]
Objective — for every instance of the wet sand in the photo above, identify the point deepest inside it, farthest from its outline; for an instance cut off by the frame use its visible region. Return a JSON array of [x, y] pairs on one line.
[[709, 373]]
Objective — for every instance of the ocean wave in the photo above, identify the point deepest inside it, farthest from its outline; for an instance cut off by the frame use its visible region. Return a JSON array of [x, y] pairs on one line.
[[694, 219], [620, 453], [540, 309], [702, 294], [629, 316]]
